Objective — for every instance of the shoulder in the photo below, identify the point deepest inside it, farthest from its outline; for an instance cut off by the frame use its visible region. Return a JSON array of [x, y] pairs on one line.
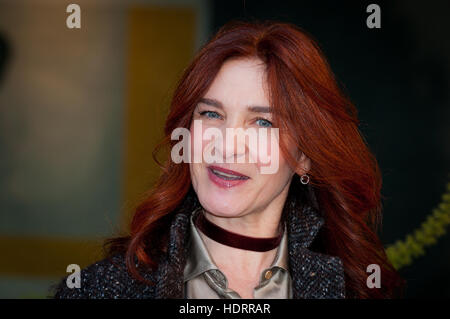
[[105, 279]]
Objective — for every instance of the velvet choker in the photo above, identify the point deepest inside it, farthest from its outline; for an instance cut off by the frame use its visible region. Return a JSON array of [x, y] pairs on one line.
[[231, 239]]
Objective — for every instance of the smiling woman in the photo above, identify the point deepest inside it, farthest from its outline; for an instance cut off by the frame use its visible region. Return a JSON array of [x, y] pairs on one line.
[[225, 229]]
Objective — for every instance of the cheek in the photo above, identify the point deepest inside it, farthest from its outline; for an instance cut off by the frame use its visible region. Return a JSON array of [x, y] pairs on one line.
[[195, 168], [271, 162], [275, 182], [267, 152], [198, 144], [194, 171]]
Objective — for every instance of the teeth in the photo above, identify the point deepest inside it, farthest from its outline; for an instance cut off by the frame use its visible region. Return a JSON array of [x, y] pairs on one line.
[[224, 174], [229, 176]]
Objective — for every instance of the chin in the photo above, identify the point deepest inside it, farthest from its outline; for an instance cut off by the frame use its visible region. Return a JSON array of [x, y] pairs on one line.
[[220, 206]]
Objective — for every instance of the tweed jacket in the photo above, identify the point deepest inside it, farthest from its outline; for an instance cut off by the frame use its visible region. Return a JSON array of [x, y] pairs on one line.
[[314, 275]]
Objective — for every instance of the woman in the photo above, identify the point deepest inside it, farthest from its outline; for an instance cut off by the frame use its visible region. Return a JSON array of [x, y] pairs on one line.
[[225, 229]]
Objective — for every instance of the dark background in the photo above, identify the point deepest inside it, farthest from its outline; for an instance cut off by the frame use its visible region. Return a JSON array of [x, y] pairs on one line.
[[398, 78]]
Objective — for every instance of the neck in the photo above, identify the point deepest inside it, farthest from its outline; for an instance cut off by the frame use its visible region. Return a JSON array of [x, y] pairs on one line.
[[237, 260], [262, 224]]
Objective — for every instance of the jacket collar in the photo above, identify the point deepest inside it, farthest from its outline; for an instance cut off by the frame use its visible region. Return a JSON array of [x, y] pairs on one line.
[[314, 275]]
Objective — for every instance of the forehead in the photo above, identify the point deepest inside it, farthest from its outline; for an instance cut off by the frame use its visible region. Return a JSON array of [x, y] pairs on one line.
[[240, 82]]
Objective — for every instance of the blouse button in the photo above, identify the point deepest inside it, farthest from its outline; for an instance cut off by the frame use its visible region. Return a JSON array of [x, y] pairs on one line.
[[268, 274]]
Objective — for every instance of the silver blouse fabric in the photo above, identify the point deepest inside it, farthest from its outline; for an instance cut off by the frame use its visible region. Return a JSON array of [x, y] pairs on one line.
[[204, 280]]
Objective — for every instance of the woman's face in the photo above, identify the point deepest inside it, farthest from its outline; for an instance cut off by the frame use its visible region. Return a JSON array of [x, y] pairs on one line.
[[230, 103]]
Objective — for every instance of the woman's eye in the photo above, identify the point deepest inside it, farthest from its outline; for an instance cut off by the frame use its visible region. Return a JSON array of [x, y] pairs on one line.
[[263, 123], [210, 114]]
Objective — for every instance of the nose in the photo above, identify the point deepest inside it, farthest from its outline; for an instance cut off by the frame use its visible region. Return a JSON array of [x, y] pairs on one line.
[[234, 143]]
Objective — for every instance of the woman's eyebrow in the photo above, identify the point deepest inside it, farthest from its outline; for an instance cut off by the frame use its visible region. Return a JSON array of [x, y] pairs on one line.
[[260, 109], [211, 102], [251, 108]]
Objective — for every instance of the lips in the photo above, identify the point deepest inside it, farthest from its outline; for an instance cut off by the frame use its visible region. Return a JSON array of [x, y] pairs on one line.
[[227, 173], [226, 178]]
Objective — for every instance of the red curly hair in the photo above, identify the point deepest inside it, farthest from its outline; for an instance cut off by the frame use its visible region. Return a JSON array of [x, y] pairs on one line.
[[310, 109]]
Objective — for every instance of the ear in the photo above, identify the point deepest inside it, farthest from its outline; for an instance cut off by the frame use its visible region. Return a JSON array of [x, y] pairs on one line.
[[304, 164]]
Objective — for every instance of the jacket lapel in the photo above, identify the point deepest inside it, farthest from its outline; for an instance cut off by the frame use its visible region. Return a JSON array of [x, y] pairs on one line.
[[314, 275], [171, 268], [170, 272]]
